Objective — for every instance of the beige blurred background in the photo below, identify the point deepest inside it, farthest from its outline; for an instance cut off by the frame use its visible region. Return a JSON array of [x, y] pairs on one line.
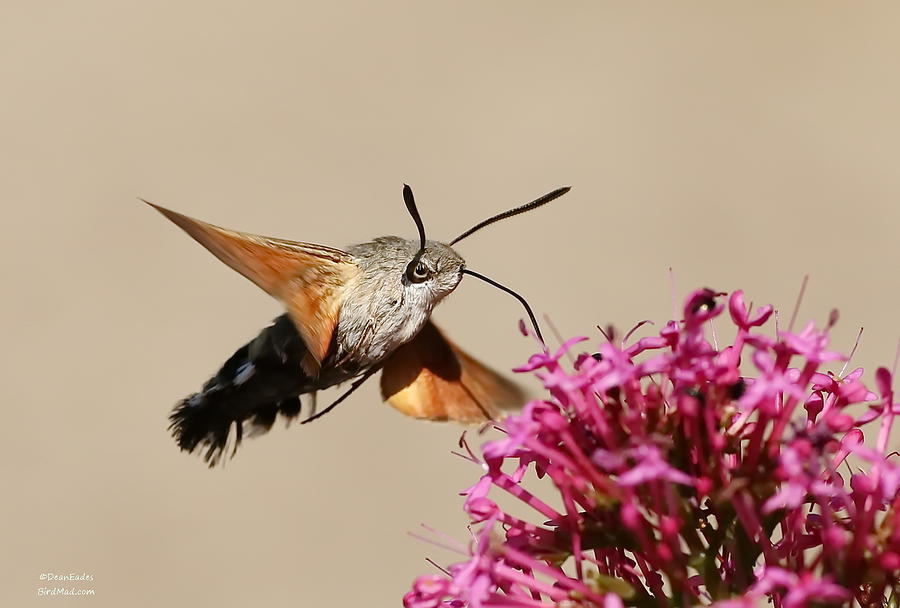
[[744, 146]]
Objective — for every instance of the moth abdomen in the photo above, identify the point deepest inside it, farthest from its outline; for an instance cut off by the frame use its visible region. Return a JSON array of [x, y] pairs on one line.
[[262, 379]]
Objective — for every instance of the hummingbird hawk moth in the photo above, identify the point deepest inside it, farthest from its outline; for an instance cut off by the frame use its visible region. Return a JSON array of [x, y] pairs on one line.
[[349, 313]]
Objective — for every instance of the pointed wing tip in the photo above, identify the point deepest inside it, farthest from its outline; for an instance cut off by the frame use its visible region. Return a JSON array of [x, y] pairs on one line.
[[159, 208], [178, 218]]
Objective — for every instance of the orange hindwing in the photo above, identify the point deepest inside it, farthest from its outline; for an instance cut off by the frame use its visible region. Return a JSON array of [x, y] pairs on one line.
[[430, 377]]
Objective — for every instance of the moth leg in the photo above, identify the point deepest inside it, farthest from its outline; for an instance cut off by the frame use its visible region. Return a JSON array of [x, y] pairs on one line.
[[312, 403], [368, 374]]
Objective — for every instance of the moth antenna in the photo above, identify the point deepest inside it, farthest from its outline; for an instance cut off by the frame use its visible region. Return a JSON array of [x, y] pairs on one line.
[[522, 300], [410, 201], [502, 216]]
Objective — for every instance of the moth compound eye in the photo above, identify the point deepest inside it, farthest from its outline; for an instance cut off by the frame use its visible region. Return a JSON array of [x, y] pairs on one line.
[[417, 272], [420, 272]]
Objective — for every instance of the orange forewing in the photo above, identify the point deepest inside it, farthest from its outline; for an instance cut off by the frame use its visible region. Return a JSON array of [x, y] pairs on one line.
[[309, 279], [430, 377]]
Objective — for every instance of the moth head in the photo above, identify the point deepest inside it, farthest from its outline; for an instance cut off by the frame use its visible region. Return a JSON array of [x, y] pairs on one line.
[[436, 268], [440, 268]]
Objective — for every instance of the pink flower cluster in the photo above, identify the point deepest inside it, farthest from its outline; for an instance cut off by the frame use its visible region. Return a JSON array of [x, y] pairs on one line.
[[686, 474]]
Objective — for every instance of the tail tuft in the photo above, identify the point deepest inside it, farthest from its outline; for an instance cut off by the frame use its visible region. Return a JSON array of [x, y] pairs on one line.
[[197, 421]]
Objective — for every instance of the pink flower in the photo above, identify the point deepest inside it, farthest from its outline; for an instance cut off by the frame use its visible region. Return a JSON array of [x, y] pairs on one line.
[[799, 590], [650, 466], [673, 470], [803, 478], [429, 592], [741, 316]]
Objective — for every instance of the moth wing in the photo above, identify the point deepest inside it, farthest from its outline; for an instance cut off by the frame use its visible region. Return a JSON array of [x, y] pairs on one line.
[[310, 280], [430, 377]]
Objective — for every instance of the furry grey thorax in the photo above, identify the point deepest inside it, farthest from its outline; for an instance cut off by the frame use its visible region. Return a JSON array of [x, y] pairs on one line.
[[383, 308]]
